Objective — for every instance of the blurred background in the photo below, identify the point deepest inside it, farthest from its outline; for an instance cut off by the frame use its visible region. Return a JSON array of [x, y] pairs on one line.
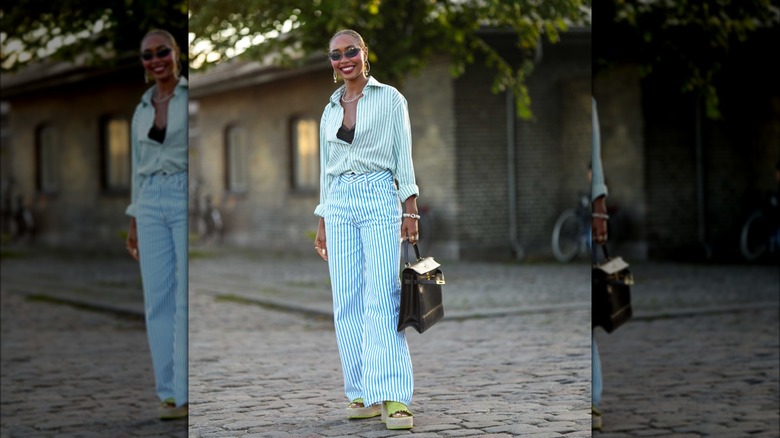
[[690, 122], [71, 79], [689, 114], [75, 356]]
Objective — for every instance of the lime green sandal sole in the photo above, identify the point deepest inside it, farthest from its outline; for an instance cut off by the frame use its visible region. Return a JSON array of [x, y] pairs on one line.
[[357, 411], [392, 420]]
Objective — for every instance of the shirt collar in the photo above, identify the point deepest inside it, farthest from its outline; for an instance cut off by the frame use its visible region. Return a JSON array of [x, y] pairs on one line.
[[182, 85], [334, 98]]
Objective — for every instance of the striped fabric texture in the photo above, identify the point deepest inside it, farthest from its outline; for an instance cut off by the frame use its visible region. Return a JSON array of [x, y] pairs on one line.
[[383, 140], [161, 222], [363, 230], [149, 156]]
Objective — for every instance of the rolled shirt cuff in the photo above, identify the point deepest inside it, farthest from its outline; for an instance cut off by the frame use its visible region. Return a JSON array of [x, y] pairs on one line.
[[405, 191], [597, 191], [320, 210]]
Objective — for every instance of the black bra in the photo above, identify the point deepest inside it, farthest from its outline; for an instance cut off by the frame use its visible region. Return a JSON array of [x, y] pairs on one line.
[[346, 134]]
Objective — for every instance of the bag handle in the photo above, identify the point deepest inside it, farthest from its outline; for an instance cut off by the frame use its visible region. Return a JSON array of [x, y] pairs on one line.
[[594, 254], [406, 252]]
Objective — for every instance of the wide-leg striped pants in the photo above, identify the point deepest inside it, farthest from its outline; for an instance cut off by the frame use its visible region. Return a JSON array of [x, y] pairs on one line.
[[363, 231], [161, 223]]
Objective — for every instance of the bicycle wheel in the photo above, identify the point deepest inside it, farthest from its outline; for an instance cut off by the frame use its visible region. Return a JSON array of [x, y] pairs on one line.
[[755, 234], [566, 236]]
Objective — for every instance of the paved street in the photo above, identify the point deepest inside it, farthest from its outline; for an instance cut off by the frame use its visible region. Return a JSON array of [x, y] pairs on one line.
[[70, 371], [512, 357], [700, 358], [711, 371]]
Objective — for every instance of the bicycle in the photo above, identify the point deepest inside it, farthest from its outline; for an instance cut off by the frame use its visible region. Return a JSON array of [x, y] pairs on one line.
[[212, 226], [760, 233], [571, 232]]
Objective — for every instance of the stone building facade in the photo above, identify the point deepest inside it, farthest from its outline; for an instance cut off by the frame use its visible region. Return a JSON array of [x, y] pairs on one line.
[[65, 150]]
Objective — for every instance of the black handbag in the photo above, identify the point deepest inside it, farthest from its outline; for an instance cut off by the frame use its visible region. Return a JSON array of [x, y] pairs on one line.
[[421, 299], [611, 283]]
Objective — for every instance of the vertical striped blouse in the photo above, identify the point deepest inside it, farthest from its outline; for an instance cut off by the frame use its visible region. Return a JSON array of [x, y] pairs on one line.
[[150, 156], [598, 187], [383, 140]]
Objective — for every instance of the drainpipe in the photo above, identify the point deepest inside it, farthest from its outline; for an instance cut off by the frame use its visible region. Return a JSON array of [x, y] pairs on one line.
[[514, 240], [701, 201], [511, 155]]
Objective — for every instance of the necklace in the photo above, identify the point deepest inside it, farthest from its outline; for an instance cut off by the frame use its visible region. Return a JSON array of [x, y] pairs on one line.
[[350, 100], [162, 100]]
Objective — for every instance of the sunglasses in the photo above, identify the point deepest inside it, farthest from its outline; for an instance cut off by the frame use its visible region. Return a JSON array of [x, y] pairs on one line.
[[350, 53], [161, 53]]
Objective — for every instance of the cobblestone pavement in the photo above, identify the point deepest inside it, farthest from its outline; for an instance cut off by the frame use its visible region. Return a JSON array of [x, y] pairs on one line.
[[512, 357], [712, 370], [272, 370], [697, 329], [70, 371]]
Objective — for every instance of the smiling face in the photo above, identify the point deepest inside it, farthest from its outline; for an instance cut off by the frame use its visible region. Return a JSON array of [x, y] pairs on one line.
[[349, 68], [160, 65]]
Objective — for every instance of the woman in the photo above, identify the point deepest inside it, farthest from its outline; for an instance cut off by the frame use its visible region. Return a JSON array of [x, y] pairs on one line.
[[365, 146], [158, 226]]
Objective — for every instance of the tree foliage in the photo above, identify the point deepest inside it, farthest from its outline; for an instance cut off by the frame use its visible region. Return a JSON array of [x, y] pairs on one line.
[[685, 40], [402, 35], [94, 32]]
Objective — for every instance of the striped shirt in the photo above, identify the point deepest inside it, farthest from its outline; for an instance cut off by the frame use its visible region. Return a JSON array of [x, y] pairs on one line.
[[383, 140], [150, 156]]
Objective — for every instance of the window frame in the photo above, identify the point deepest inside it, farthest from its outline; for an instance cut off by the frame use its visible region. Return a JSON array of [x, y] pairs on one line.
[[47, 163], [106, 184], [297, 184], [236, 172]]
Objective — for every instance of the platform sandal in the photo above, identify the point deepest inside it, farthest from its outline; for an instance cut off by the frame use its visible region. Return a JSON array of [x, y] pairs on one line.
[[595, 418], [169, 411], [357, 410], [397, 416]]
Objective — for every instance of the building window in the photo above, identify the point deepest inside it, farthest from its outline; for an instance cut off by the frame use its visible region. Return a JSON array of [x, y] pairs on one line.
[[47, 159], [305, 154], [116, 154], [236, 159]]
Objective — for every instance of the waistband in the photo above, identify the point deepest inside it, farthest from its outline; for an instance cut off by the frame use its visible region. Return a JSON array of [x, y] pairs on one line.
[[167, 176], [352, 177]]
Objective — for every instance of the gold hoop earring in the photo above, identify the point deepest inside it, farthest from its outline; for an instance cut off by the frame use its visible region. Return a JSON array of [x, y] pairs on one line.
[[146, 76], [335, 77], [176, 69], [367, 68]]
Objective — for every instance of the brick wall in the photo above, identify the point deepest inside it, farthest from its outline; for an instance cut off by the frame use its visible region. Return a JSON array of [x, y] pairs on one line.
[[551, 153], [430, 96], [619, 97]]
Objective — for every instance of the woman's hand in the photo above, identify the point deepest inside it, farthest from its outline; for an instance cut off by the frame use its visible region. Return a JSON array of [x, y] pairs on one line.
[[409, 230], [599, 221], [409, 226], [132, 240], [319, 242]]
